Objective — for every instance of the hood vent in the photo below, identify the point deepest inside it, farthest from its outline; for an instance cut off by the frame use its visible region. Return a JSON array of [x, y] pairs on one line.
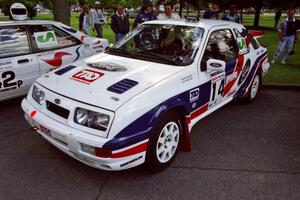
[[64, 70], [122, 86], [112, 67]]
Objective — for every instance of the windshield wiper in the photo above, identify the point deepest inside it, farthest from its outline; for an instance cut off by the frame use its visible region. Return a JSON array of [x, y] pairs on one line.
[[120, 52], [149, 54]]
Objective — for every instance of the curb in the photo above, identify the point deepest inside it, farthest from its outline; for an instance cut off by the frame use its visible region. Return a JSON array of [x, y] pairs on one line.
[[281, 86]]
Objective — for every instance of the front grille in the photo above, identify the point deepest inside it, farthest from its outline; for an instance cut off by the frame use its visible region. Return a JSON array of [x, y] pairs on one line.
[[62, 112]]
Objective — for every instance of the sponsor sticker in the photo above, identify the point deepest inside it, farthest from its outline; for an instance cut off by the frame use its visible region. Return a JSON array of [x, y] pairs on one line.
[[242, 46], [131, 161], [187, 78], [65, 43], [45, 39], [5, 64], [87, 76], [194, 94]]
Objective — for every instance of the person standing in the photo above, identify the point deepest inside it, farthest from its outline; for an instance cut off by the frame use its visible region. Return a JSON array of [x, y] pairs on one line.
[[232, 15], [145, 14], [212, 12], [120, 22], [85, 20], [168, 14], [98, 19], [287, 33]]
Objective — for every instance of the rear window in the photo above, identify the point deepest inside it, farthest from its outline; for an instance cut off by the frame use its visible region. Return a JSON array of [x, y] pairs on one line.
[[13, 42]]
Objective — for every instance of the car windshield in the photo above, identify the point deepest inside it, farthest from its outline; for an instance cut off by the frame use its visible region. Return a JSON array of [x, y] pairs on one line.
[[167, 44]]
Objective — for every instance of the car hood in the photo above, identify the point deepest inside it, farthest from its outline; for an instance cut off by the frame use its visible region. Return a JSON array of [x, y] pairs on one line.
[[100, 86]]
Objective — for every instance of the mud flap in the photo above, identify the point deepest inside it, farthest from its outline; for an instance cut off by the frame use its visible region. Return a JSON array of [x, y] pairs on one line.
[[186, 139]]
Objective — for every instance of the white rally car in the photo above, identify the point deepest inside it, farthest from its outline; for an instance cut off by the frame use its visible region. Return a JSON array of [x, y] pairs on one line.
[[29, 49], [137, 102]]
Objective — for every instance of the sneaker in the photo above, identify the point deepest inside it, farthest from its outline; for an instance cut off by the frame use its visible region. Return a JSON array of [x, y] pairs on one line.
[[283, 62], [273, 61]]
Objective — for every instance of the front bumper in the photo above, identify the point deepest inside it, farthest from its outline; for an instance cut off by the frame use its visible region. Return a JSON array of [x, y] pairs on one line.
[[70, 141]]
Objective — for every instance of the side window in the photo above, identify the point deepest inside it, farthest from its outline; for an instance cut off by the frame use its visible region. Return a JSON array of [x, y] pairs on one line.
[[254, 43], [13, 42], [221, 46], [47, 37], [245, 34]]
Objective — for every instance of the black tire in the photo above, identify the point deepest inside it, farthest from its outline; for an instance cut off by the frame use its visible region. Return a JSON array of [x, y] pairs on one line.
[[254, 88], [155, 162]]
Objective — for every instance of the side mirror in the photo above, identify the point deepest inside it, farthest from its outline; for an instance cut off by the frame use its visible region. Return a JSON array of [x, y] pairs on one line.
[[243, 49], [215, 65]]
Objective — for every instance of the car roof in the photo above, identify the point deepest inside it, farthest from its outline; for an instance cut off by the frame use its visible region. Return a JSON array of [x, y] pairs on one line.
[[26, 22], [204, 23]]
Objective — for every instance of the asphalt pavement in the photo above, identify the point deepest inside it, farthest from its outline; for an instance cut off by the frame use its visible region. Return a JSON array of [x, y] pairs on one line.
[[239, 152]]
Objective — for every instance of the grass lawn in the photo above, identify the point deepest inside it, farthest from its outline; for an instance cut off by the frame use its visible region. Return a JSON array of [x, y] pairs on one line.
[[278, 74]]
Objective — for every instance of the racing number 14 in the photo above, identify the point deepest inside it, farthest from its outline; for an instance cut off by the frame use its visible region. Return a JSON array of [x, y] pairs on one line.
[[216, 95]]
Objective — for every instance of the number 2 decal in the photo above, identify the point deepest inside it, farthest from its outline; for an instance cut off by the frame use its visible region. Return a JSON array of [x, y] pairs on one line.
[[8, 81]]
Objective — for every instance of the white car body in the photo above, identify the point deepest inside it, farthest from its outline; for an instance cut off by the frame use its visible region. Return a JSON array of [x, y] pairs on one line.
[[23, 59], [157, 89]]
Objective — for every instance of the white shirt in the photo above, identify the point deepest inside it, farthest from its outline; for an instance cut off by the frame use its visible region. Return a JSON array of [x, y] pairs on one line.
[[97, 16], [163, 16]]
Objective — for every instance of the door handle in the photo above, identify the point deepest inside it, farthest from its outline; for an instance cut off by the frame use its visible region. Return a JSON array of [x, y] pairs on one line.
[[23, 61]]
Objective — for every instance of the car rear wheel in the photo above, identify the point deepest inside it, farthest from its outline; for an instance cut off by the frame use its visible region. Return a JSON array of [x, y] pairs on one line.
[[164, 143], [254, 88]]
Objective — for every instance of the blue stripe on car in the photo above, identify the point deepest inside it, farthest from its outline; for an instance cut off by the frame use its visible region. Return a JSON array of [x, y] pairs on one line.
[[141, 128]]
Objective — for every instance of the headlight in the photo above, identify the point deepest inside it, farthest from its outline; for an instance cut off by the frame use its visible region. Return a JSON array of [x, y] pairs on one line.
[[91, 119], [38, 95]]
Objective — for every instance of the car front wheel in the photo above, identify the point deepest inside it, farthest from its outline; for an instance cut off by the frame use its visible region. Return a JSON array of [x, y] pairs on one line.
[[164, 142]]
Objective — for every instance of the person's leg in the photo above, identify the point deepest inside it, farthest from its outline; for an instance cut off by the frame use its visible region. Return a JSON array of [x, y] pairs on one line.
[[98, 28], [86, 30], [280, 49], [293, 51], [289, 47], [119, 36]]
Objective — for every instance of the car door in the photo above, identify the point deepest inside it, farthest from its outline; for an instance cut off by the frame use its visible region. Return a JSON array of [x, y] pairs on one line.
[[53, 47], [221, 47], [18, 66]]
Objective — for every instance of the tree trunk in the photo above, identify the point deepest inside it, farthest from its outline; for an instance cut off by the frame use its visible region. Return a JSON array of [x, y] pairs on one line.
[[241, 13], [61, 11], [188, 9], [181, 3], [258, 8]]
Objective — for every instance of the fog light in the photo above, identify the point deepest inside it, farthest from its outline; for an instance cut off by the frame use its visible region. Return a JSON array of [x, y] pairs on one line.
[[88, 149], [95, 151]]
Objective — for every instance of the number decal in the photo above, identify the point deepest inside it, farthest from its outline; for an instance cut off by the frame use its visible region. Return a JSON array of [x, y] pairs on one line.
[[8, 81], [221, 87], [217, 89], [8, 77]]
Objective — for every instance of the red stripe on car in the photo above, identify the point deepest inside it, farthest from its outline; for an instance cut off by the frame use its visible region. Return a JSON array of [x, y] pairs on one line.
[[134, 150]]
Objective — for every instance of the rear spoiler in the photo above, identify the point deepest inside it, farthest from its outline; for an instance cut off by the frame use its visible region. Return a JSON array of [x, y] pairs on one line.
[[257, 34]]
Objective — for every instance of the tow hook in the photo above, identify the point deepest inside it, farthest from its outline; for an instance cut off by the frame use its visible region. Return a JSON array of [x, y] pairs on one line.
[[34, 128]]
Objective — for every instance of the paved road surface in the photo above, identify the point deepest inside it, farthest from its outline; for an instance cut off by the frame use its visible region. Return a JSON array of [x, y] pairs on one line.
[[239, 152]]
